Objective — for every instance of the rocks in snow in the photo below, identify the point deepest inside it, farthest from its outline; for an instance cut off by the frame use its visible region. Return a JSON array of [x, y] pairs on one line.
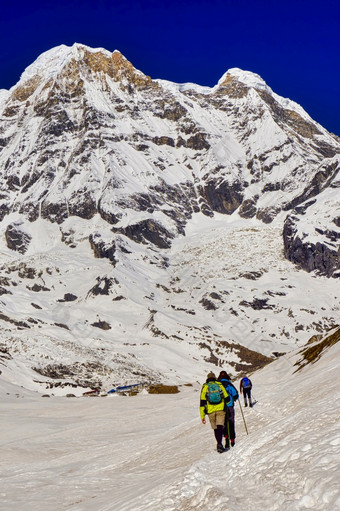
[[320, 256], [16, 239]]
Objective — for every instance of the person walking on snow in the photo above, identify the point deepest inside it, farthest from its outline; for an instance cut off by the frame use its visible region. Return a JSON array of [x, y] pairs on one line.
[[213, 401], [246, 386], [229, 426]]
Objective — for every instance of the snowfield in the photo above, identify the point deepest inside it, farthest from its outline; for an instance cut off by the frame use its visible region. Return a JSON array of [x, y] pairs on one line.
[[151, 452]]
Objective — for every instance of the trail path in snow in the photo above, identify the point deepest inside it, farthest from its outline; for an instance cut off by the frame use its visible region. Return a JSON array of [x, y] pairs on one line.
[[151, 452]]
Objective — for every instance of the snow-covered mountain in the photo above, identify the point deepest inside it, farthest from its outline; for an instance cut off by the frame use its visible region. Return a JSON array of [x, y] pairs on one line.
[[142, 218]]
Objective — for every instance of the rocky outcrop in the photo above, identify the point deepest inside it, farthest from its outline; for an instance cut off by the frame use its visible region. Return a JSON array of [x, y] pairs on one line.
[[285, 116], [248, 208], [257, 304], [267, 215], [102, 248], [104, 325], [310, 256], [147, 230], [221, 196], [68, 297], [103, 286], [16, 239], [324, 178]]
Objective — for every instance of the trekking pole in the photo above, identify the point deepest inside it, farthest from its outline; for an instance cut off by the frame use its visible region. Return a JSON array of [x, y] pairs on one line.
[[244, 422]]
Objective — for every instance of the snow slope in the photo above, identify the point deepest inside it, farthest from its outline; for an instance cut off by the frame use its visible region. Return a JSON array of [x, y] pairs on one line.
[[151, 452]]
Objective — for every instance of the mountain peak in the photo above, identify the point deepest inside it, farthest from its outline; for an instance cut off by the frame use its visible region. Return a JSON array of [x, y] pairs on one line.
[[246, 77], [52, 62]]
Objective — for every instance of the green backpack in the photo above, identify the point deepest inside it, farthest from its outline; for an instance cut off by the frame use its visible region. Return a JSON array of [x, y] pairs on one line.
[[214, 393]]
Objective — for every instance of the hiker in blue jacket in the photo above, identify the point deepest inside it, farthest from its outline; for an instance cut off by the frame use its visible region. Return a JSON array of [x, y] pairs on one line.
[[229, 426], [245, 387]]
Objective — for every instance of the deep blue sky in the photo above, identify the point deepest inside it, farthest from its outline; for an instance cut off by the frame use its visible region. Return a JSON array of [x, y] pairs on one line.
[[293, 45]]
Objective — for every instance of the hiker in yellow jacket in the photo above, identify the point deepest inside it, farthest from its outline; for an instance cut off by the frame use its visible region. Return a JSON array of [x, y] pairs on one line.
[[213, 402]]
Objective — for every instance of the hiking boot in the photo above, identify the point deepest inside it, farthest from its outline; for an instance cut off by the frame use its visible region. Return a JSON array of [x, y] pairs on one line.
[[251, 405], [245, 404], [232, 442], [220, 448]]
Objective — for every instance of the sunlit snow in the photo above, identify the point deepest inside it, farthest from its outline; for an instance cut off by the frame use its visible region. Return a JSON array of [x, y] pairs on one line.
[[151, 452]]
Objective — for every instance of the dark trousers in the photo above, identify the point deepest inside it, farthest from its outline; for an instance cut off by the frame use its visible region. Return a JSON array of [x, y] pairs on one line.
[[247, 393], [218, 432], [229, 427]]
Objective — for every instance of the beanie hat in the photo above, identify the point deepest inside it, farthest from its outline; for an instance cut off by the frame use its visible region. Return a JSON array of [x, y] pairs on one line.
[[211, 375]]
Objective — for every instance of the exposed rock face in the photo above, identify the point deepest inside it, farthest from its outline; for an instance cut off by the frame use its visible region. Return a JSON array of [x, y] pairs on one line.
[[324, 178], [257, 304], [103, 249], [16, 239], [103, 286], [104, 325], [148, 230], [248, 208], [68, 297], [312, 256], [222, 197], [312, 233]]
